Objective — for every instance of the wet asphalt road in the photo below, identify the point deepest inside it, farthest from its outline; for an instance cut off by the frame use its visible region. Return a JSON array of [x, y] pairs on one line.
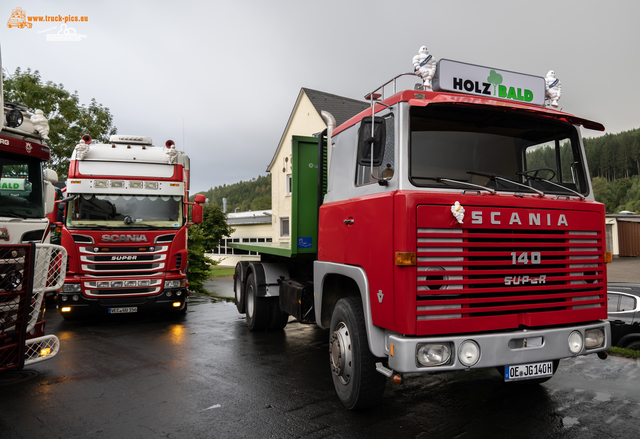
[[208, 376]]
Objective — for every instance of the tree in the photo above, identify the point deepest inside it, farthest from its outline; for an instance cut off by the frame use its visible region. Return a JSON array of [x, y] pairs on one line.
[[68, 119], [202, 237]]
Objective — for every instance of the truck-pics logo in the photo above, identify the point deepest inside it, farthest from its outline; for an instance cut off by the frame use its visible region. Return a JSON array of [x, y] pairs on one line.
[[124, 238], [18, 19]]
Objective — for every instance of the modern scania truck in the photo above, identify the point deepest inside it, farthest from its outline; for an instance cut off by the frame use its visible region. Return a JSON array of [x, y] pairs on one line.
[[125, 228], [454, 229], [29, 266]]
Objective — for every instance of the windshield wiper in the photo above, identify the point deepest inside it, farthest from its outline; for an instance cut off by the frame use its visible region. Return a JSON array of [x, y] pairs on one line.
[[498, 178], [446, 180], [582, 197]]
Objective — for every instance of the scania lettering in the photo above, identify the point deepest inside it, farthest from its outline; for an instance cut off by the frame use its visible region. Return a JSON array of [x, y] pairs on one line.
[[125, 228], [454, 230], [30, 267], [124, 238]]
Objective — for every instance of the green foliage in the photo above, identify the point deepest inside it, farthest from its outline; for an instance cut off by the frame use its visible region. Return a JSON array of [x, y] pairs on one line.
[[205, 236], [243, 196], [68, 119]]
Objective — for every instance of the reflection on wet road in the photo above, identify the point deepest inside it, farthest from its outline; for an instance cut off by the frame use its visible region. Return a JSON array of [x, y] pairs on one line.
[[207, 375]]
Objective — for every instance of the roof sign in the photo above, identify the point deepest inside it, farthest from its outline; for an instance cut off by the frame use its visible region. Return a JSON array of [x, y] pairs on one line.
[[457, 77]]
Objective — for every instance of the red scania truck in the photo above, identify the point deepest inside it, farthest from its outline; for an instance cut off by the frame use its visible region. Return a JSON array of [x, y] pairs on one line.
[[30, 267], [455, 229], [125, 228]]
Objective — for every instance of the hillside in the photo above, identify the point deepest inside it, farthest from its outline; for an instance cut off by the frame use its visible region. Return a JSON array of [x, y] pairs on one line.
[[244, 195]]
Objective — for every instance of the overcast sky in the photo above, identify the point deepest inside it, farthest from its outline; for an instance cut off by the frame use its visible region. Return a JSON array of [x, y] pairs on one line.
[[220, 78]]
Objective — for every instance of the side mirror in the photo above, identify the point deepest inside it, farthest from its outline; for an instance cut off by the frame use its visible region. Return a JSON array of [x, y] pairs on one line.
[[50, 175], [196, 210], [366, 140], [49, 196]]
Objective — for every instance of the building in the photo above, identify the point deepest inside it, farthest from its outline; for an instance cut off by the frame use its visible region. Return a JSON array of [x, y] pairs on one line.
[[623, 234], [273, 225]]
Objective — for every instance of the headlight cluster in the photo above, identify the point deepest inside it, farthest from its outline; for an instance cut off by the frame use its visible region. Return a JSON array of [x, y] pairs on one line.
[[438, 354], [175, 283], [71, 288]]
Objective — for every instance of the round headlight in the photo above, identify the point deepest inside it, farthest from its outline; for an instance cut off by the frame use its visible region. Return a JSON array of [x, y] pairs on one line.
[[469, 353], [434, 354], [75, 298], [575, 342], [169, 293], [593, 338]]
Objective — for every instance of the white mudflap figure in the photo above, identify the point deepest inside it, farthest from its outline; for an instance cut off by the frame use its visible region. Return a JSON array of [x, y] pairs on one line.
[[553, 89], [458, 211], [425, 66]]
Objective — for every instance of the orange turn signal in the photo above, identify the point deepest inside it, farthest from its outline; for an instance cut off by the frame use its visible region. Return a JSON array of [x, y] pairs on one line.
[[405, 259], [608, 258]]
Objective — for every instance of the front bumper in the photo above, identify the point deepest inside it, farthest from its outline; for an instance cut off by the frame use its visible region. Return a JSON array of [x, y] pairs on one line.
[[164, 302], [496, 349]]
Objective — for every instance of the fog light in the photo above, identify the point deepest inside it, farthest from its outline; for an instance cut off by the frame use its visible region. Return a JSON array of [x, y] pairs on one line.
[[469, 353], [75, 297], [575, 342], [64, 298], [66, 309], [434, 354], [177, 304], [178, 293], [593, 338], [169, 294]]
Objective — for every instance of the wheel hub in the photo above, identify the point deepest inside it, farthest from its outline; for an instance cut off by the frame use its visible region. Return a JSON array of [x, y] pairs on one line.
[[340, 353]]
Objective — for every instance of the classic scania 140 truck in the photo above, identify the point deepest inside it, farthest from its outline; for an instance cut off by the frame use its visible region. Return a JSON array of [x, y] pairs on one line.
[[455, 228]]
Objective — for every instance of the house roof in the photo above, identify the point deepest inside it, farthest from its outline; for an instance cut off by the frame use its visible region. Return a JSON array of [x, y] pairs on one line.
[[341, 108]]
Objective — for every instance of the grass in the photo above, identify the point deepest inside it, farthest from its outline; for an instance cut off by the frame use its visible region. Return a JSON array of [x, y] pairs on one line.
[[621, 352], [215, 271]]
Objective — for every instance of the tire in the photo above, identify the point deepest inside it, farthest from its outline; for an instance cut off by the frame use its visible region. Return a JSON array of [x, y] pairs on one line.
[[258, 308], [278, 318], [353, 367], [239, 287], [533, 381], [635, 345]]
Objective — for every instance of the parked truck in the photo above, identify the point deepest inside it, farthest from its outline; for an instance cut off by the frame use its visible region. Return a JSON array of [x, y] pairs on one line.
[[446, 228], [125, 228], [30, 267]]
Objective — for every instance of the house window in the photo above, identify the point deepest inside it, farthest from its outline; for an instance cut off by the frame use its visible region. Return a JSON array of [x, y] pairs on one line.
[[289, 184], [284, 227]]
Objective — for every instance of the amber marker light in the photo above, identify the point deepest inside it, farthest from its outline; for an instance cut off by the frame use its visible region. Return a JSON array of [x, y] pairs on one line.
[[608, 258], [66, 309], [177, 304], [405, 259], [44, 352]]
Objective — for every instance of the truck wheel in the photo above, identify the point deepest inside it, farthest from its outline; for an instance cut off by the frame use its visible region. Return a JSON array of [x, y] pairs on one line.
[[238, 286], [279, 318], [635, 345], [258, 308], [534, 381], [353, 369]]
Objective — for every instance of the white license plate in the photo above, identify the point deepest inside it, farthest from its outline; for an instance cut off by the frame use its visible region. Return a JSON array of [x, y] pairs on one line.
[[528, 371], [123, 310]]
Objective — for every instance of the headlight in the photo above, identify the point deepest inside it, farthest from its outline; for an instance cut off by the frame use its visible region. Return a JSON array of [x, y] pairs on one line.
[[71, 288], [175, 283], [575, 342], [593, 338], [469, 353], [434, 354]]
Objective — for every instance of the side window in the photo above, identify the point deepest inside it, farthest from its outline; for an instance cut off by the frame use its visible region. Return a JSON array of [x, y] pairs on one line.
[[612, 302], [289, 183], [383, 150], [627, 303]]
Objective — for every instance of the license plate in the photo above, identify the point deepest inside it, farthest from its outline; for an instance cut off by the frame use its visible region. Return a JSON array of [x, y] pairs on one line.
[[123, 310], [528, 371]]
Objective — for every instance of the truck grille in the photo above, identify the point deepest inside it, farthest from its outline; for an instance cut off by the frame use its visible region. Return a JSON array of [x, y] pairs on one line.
[[471, 278], [104, 261]]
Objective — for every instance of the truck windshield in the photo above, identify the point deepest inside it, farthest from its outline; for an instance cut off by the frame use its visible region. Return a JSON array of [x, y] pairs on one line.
[[126, 211], [21, 187], [471, 145]]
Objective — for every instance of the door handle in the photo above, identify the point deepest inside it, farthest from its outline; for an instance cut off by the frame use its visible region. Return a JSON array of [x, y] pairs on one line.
[[349, 221]]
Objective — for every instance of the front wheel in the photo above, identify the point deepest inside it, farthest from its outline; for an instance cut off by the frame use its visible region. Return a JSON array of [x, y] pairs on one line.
[[353, 366]]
